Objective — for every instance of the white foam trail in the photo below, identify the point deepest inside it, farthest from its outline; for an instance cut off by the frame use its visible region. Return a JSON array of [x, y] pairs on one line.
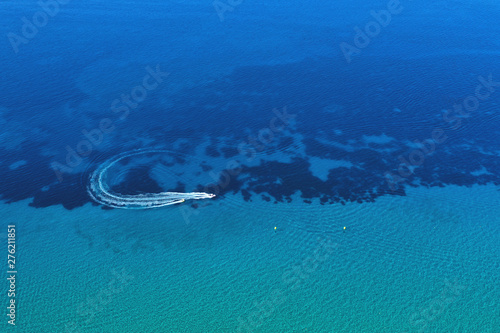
[[99, 191]]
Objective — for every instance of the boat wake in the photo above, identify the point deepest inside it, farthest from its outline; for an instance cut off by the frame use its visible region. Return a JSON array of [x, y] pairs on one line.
[[100, 192]]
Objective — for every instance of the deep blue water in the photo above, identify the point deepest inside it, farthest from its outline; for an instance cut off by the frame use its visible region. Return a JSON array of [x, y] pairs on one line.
[[66, 78]]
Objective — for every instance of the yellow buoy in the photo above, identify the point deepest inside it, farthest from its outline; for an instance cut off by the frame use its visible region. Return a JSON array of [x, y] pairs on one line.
[[345, 228]]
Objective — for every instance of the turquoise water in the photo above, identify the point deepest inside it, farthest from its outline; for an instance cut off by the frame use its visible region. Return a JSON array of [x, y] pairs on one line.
[[428, 260]]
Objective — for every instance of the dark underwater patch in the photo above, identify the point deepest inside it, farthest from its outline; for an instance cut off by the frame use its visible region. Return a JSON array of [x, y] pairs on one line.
[[241, 104]]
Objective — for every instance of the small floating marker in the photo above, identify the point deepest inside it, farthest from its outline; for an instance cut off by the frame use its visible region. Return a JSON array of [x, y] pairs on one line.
[[345, 228], [274, 228]]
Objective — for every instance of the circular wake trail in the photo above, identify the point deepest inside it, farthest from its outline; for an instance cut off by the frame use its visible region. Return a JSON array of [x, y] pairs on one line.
[[100, 192]]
